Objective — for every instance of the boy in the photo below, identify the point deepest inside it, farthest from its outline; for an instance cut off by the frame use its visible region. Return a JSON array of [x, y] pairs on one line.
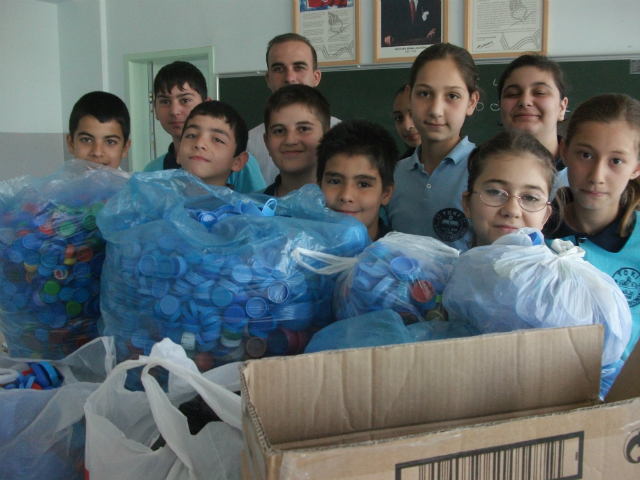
[[178, 88], [356, 160], [295, 117], [214, 143], [99, 127]]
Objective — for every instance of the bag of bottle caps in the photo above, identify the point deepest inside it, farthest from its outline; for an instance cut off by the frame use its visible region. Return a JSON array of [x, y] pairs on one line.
[[212, 269], [51, 257], [402, 272], [518, 283], [42, 427]]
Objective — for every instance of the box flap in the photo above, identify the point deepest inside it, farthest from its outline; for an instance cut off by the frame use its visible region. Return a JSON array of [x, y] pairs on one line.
[[344, 391], [627, 384]]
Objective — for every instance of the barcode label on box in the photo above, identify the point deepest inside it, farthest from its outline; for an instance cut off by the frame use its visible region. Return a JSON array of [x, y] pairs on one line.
[[551, 458]]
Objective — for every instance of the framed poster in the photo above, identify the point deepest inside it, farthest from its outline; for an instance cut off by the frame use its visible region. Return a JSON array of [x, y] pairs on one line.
[[403, 28], [332, 27], [506, 28]]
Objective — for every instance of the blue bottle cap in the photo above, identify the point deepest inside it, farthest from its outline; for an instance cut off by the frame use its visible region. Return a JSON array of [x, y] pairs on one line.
[[31, 241], [235, 315], [41, 334], [37, 301], [81, 295], [131, 250], [66, 293], [382, 287], [179, 266], [164, 267], [82, 282], [256, 307], [10, 288], [49, 260], [168, 305], [31, 258], [139, 338], [175, 334], [20, 301], [209, 320], [147, 265], [278, 292], [362, 283], [404, 267], [241, 274], [260, 268], [148, 345], [160, 287], [211, 334], [81, 269], [181, 287], [15, 256]]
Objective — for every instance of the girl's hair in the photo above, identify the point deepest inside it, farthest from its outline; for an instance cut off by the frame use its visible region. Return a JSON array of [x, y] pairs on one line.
[[541, 63], [401, 90], [608, 108], [443, 51], [516, 143]]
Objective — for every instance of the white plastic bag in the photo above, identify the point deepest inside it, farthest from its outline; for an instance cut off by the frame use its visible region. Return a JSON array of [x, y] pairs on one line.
[[514, 284], [122, 425], [42, 432]]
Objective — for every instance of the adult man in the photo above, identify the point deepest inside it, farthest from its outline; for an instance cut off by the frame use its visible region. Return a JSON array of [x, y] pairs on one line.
[[291, 59]]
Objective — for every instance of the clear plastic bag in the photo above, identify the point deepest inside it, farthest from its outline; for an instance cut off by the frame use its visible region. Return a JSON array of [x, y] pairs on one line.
[[227, 287], [51, 256], [402, 272], [122, 426], [514, 284], [42, 432]]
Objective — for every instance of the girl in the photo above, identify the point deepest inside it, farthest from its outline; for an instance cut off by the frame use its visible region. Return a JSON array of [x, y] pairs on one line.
[[404, 123], [602, 152], [532, 96], [510, 180], [429, 184]]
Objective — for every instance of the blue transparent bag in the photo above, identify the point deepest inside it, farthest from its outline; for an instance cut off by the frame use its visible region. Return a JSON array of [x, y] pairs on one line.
[[515, 284], [213, 270], [51, 256], [405, 273]]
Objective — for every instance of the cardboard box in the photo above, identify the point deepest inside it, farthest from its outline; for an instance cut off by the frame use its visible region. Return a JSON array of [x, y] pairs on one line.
[[521, 405]]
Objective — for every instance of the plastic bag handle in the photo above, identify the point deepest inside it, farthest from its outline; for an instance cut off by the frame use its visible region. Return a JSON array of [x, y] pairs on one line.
[[335, 264]]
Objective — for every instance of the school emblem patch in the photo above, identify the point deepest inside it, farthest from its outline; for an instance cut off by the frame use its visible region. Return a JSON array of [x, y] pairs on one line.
[[450, 224], [628, 279]]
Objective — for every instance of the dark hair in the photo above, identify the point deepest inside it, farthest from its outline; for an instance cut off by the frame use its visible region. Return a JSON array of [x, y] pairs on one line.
[[516, 143], [298, 94], [402, 89], [226, 112], [104, 107], [176, 74], [607, 108], [292, 37], [443, 51], [360, 137], [540, 62]]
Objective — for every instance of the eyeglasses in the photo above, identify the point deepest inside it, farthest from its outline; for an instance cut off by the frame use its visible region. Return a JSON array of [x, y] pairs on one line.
[[496, 197]]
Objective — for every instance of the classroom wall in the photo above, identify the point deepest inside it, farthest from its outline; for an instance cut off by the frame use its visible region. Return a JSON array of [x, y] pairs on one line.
[[30, 105], [65, 49]]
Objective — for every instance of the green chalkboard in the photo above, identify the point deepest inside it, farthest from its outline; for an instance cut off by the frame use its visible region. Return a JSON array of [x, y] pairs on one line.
[[368, 93]]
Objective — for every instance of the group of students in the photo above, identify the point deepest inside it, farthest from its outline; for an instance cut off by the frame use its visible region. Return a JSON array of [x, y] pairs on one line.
[[443, 186]]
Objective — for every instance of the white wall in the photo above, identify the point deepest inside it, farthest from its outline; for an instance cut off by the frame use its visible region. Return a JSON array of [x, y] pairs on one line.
[[51, 54], [30, 103]]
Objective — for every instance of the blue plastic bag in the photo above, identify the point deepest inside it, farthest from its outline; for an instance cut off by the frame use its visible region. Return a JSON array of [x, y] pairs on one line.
[[405, 273], [514, 284], [51, 256], [225, 287]]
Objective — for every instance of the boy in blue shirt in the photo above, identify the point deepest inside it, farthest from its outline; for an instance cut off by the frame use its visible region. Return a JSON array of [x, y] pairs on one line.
[[99, 127], [295, 117], [213, 143], [356, 161], [178, 88]]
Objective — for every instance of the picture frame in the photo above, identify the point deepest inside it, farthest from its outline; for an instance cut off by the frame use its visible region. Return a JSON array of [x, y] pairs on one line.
[[400, 34], [332, 27], [506, 28]]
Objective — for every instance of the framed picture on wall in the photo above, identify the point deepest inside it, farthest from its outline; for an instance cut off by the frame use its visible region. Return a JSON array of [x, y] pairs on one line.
[[332, 27], [403, 28], [506, 28]]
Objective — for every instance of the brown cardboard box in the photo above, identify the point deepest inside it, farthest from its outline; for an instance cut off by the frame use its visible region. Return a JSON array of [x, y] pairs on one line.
[[521, 405]]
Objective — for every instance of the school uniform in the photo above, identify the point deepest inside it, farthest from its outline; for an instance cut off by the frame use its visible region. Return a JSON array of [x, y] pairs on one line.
[[247, 180], [431, 205], [272, 189], [257, 148], [616, 256]]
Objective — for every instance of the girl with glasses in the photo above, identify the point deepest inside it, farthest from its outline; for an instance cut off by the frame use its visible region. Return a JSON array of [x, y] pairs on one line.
[[510, 180]]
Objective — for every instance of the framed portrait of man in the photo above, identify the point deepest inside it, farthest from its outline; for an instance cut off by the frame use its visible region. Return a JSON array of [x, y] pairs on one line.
[[403, 28]]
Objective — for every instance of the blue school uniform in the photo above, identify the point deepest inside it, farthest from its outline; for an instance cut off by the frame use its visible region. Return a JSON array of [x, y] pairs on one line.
[[431, 205], [617, 257], [247, 180]]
